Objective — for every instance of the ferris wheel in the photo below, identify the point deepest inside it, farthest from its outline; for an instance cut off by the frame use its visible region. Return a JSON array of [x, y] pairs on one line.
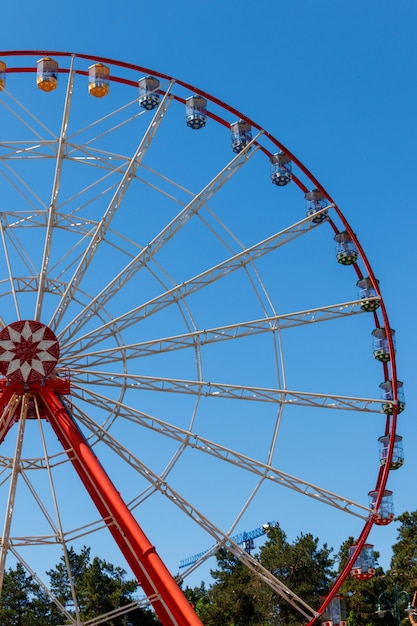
[[191, 334]]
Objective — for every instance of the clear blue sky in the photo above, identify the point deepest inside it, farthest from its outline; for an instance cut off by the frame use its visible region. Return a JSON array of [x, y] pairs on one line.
[[336, 83]]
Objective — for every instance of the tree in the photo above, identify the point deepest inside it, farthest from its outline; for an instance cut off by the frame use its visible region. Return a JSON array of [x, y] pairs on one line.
[[361, 596], [232, 598], [403, 565], [402, 575], [198, 598], [99, 587], [105, 588], [303, 566], [239, 598], [22, 602], [59, 579]]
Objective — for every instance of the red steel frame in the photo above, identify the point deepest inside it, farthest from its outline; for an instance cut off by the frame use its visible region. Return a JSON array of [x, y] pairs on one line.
[[167, 599]]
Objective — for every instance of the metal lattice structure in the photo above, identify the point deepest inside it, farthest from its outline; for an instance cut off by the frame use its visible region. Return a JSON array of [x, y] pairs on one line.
[[174, 319]]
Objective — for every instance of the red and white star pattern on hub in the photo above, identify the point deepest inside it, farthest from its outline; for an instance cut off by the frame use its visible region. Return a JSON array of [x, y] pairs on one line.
[[29, 351]]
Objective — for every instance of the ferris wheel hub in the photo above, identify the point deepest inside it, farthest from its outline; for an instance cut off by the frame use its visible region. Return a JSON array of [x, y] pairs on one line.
[[29, 351]]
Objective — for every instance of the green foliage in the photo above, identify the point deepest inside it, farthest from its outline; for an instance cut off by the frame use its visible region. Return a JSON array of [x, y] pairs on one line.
[[392, 589], [59, 577], [22, 602], [198, 598], [303, 566], [404, 553], [236, 597], [361, 595], [100, 588], [232, 600]]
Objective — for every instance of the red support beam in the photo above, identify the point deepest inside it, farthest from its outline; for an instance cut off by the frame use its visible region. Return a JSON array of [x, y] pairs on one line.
[[8, 411], [171, 605]]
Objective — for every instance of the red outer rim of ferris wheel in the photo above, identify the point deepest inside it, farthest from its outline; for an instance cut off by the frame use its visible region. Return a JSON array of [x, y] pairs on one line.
[[391, 420]]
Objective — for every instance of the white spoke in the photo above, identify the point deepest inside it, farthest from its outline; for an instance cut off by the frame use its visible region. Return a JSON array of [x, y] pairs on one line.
[[203, 521], [236, 262], [215, 335], [222, 390], [27, 112], [144, 257], [28, 195], [230, 456], [54, 196], [98, 122], [9, 270], [105, 222], [5, 538]]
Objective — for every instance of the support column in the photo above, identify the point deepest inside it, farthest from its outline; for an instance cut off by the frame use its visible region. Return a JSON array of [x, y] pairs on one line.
[[172, 607]]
